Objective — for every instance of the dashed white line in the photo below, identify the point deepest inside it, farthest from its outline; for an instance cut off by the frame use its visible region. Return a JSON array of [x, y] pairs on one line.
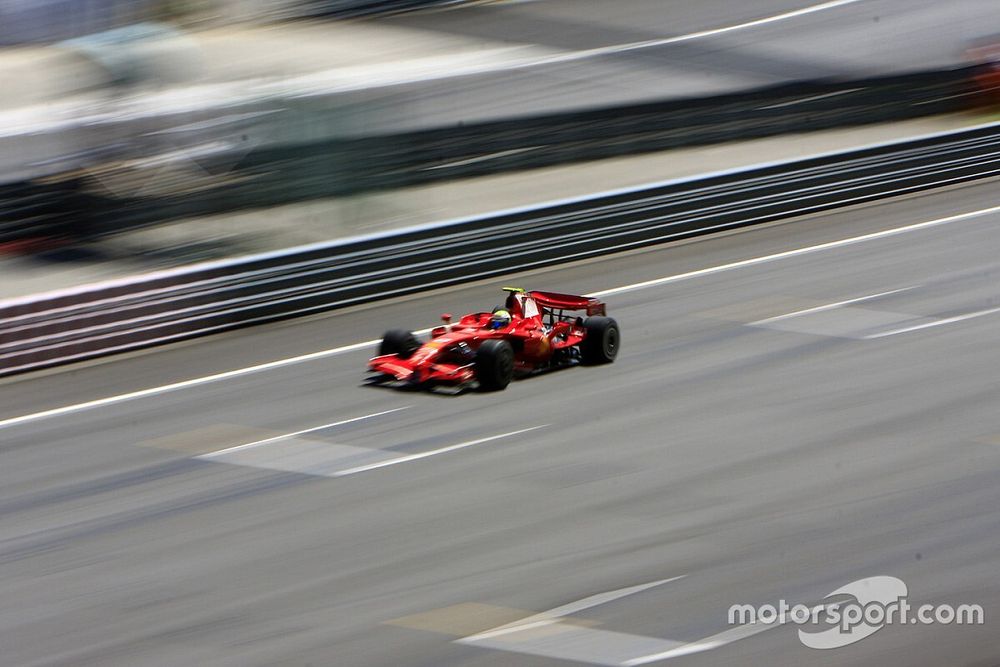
[[293, 434], [563, 639], [935, 323], [433, 452], [552, 615], [830, 306], [685, 649]]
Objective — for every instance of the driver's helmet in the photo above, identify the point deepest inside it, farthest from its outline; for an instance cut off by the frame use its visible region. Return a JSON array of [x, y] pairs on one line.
[[500, 319]]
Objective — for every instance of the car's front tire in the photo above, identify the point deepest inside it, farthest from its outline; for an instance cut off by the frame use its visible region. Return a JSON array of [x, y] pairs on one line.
[[494, 365], [401, 343], [600, 345]]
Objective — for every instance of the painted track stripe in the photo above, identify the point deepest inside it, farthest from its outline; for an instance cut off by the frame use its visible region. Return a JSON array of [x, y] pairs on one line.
[[293, 434], [935, 323], [830, 306], [433, 452], [552, 615]]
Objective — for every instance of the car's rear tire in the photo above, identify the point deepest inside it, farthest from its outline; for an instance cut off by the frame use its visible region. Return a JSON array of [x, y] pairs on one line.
[[494, 365], [399, 342], [600, 345]]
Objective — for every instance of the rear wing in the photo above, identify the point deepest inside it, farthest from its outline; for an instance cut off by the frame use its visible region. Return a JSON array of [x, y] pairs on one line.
[[557, 301]]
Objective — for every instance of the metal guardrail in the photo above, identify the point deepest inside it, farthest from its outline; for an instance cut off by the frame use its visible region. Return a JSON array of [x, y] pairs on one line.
[[304, 151], [183, 303]]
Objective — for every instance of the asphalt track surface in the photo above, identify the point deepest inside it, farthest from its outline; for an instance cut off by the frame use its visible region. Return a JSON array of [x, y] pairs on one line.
[[606, 53], [752, 439]]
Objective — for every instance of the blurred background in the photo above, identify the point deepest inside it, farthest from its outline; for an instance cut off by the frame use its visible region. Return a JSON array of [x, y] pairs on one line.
[[142, 134], [795, 407]]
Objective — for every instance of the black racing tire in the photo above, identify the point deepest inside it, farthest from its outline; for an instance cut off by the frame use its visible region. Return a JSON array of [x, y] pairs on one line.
[[600, 345], [494, 365], [399, 342]]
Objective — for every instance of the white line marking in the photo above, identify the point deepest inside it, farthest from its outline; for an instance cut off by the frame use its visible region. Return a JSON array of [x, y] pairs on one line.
[[433, 452], [519, 626], [553, 615], [193, 382], [258, 443], [811, 98], [711, 32], [935, 323], [604, 598], [482, 158], [153, 391], [686, 649], [797, 252], [677, 649], [830, 306]]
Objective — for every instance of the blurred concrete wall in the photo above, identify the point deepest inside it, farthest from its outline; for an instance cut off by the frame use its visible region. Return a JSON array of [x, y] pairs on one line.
[[40, 21]]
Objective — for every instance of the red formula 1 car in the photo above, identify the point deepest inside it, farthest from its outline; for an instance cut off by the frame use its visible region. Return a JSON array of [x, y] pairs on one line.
[[533, 331]]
